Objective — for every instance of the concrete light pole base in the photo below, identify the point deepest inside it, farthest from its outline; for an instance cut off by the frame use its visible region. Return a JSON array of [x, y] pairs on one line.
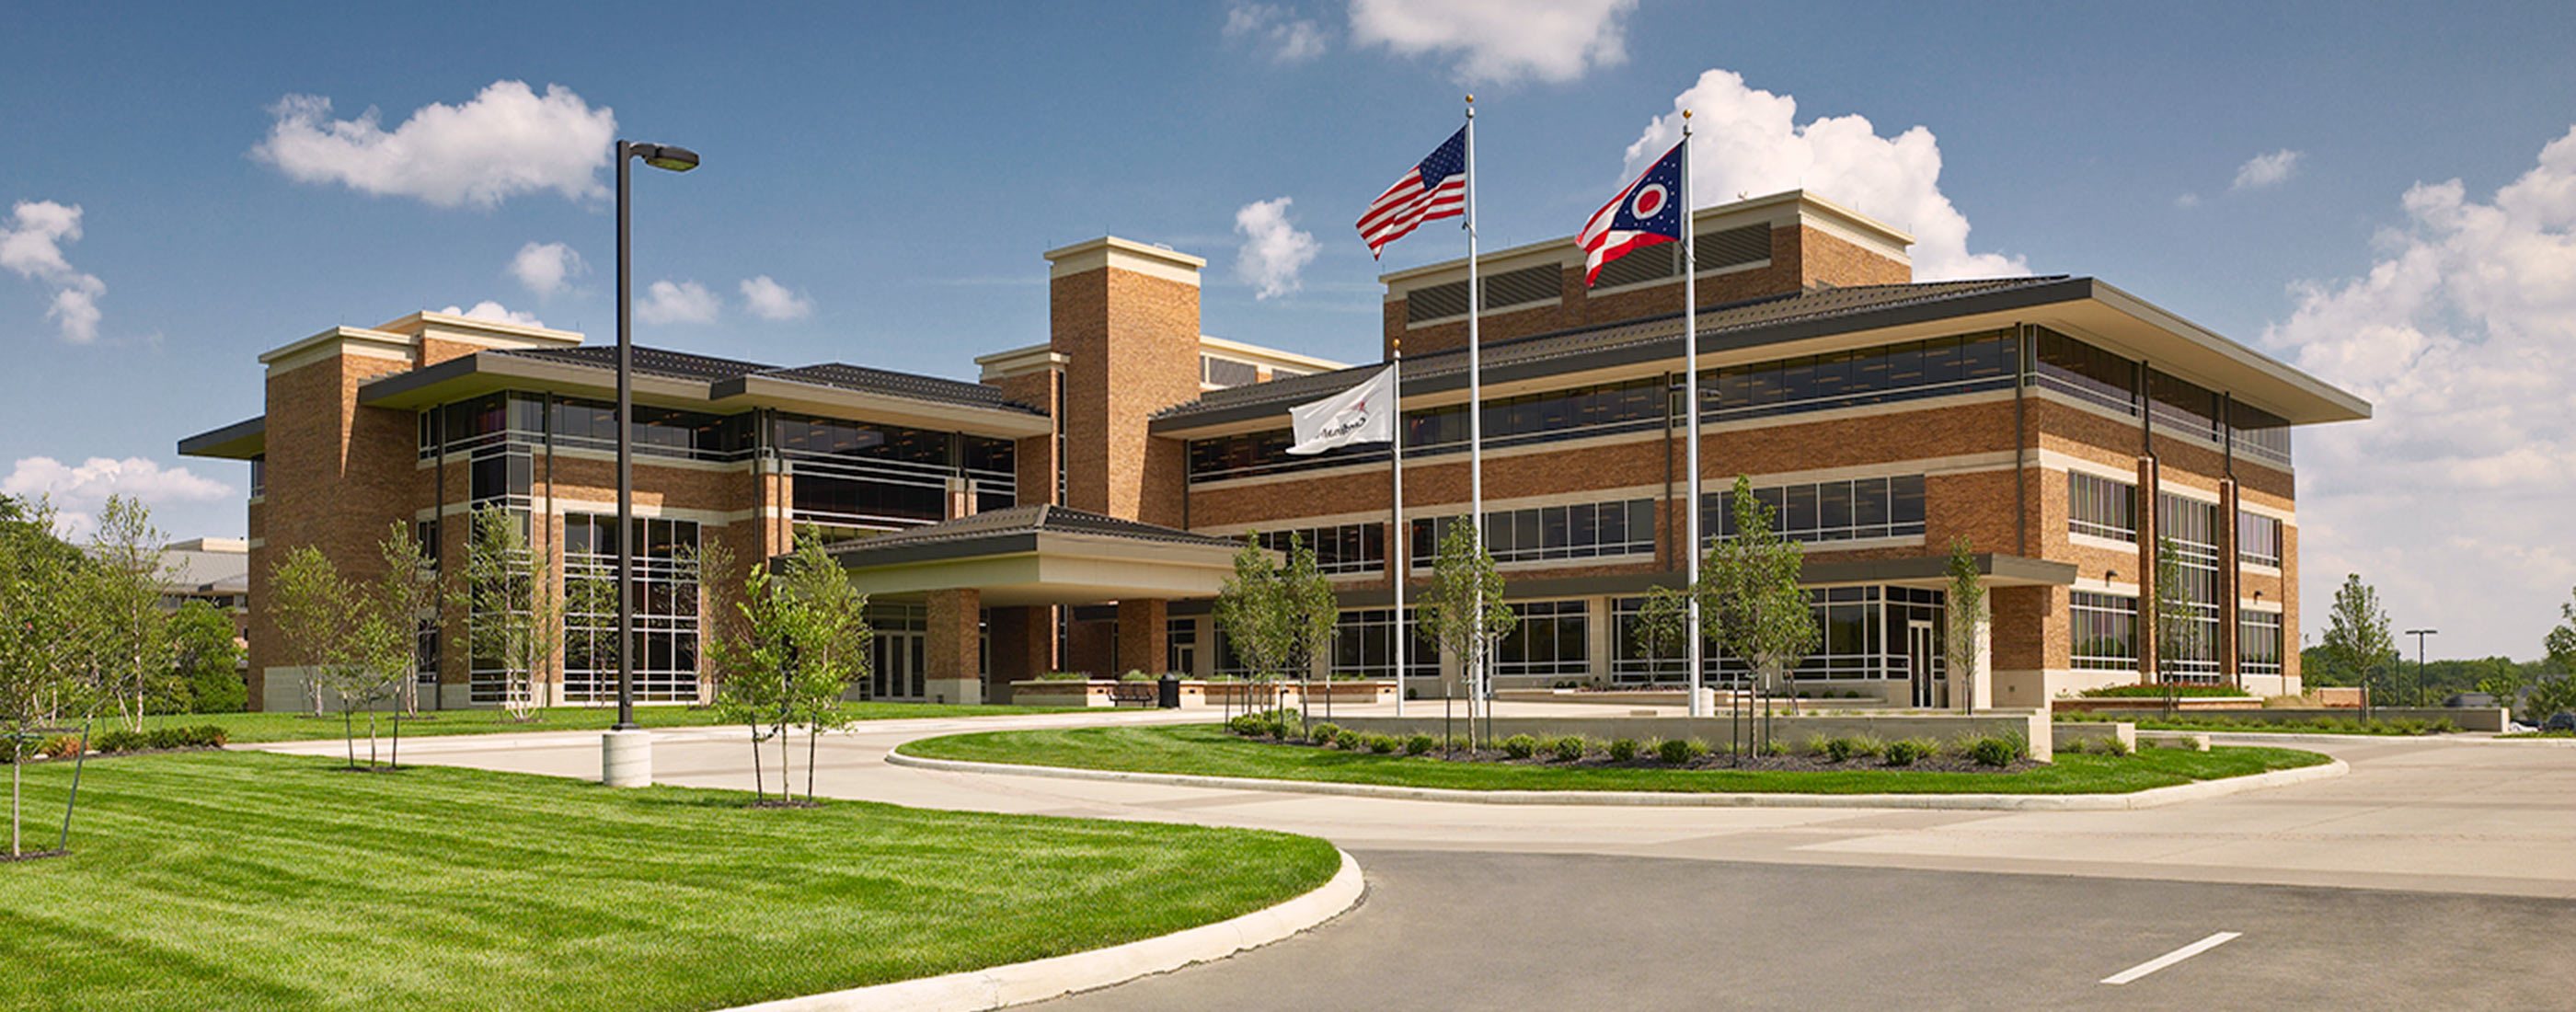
[[626, 758]]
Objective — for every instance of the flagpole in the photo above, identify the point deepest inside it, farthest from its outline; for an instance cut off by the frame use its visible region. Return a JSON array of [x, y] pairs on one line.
[[1690, 423], [1476, 689], [1399, 548]]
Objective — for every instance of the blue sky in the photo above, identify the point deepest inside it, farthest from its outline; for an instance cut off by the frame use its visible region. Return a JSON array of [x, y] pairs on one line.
[[895, 171]]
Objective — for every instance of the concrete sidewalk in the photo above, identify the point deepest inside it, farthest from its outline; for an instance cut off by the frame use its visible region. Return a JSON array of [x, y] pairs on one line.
[[2420, 814]]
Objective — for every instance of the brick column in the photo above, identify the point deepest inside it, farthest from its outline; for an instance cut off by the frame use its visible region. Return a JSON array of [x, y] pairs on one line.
[[2227, 592], [1144, 635], [955, 647], [2147, 533], [1023, 648]]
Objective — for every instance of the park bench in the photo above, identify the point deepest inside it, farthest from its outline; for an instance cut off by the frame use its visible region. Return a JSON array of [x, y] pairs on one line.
[[1139, 693]]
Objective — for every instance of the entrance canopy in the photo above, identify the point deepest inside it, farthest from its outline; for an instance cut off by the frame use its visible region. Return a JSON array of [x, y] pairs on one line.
[[1041, 555]]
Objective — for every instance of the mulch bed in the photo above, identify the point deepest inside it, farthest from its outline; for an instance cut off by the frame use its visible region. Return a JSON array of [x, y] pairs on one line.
[[32, 760], [33, 855]]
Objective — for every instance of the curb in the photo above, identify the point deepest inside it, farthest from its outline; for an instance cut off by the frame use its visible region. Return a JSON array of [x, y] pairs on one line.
[[1037, 980], [2152, 797]]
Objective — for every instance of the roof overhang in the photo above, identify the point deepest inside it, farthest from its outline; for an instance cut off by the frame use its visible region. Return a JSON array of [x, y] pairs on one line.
[[2082, 307], [477, 374], [1016, 568], [241, 440]]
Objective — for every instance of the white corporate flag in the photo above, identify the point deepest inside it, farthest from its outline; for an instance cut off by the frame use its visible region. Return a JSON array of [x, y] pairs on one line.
[[1362, 414]]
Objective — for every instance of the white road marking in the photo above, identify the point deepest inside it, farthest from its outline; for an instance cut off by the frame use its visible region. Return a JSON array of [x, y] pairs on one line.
[[2170, 958]]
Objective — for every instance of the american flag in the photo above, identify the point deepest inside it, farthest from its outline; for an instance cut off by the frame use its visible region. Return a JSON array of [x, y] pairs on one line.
[[1435, 188]]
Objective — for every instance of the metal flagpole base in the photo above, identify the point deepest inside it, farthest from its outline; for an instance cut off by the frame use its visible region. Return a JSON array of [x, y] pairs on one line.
[[626, 758]]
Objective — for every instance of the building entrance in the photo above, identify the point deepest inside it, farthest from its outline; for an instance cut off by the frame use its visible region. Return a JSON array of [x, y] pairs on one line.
[[1919, 651], [901, 664]]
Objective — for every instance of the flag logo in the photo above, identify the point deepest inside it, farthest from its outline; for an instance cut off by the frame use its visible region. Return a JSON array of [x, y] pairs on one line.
[[1642, 215], [1435, 187], [1365, 413]]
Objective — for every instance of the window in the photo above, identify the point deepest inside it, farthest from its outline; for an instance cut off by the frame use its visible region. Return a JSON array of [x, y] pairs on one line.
[[1862, 636], [665, 596], [2084, 372], [1180, 637], [1364, 645], [2106, 631], [1348, 548], [1827, 511], [2258, 642], [1549, 640], [2258, 539], [258, 475], [2188, 651], [1577, 531], [1908, 370], [2102, 507]]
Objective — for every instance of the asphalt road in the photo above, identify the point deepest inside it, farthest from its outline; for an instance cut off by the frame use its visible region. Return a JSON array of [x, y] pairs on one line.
[[1476, 930]]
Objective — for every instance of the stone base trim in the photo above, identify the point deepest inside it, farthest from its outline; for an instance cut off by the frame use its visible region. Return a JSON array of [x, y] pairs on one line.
[[2153, 797], [1038, 980]]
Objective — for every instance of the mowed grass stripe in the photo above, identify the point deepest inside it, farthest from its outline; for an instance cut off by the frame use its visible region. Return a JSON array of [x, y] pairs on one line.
[[245, 728], [1207, 750], [236, 880]]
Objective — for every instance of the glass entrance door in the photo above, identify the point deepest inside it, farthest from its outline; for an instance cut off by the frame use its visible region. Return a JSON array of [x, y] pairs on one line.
[[900, 663], [1920, 649]]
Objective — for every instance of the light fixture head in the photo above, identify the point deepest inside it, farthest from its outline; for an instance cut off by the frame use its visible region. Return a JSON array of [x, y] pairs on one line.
[[667, 156]]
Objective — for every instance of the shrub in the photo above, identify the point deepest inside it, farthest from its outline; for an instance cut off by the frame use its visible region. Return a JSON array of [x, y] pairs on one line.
[[1905, 752], [1774, 747], [1623, 749], [1677, 751], [1567, 749], [1134, 675], [2109, 745], [1520, 746], [1419, 744], [1815, 745], [1995, 751], [1350, 740], [1323, 733], [2156, 691], [1064, 676], [1382, 744], [1857, 746], [61, 746], [120, 740]]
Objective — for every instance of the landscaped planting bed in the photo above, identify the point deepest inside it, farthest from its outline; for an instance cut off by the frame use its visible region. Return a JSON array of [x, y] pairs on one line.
[[1210, 750], [2256, 725], [251, 880]]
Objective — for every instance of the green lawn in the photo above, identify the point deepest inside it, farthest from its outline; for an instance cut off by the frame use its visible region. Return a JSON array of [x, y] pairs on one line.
[[259, 727], [1207, 750], [247, 880], [2234, 725], [2539, 734]]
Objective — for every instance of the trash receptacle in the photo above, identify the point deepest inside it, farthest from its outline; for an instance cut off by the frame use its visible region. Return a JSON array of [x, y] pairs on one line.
[[1168, 691]]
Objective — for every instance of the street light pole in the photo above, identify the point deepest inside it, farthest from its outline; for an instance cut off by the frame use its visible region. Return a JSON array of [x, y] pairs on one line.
[[2419, 635], [626, 757]]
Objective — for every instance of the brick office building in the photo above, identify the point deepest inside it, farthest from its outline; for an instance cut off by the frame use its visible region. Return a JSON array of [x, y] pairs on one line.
[[2059, 424]]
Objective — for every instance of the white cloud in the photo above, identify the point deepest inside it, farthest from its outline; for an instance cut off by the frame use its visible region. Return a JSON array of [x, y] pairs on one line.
[[78, 491], [1274, 251], [2462, 334], [547, 268], [685, 302], [505, 142], [1747, 142], [2266, 170], [33, 248], [2187, 201], [1500, 41], [770, 300], [495, 312], [1271, 29]]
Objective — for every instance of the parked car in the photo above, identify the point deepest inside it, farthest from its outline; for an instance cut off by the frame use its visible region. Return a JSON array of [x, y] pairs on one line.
[[2560, 721]]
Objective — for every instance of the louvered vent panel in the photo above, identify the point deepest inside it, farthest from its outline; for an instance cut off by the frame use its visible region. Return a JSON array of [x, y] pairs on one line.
[[1435, 302], [1649, 264], [1750, 244], [1532, 284]]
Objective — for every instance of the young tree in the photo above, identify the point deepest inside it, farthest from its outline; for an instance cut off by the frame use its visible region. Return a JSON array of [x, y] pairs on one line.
[[44, 638], [1310, 616], [1761, 613], [130, 572], [314, 608], [2357, 643], [800, 641], [1466, 613], [206, 660], [1253, 611], [1965, 607], [2551, 695], [387, 637], [514, 610]]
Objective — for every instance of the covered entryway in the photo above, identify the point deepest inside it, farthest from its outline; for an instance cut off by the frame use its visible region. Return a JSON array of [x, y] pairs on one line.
[[1000, 575]]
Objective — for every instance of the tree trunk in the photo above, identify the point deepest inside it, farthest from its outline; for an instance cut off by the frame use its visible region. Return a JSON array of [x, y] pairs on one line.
[[812, 732], [759, 784], [371, 735], [349, 733], [17, 775], [785, 775], [397, 756]]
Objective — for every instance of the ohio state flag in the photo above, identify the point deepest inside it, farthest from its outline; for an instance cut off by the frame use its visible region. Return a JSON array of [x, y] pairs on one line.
[[1649, 211]]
